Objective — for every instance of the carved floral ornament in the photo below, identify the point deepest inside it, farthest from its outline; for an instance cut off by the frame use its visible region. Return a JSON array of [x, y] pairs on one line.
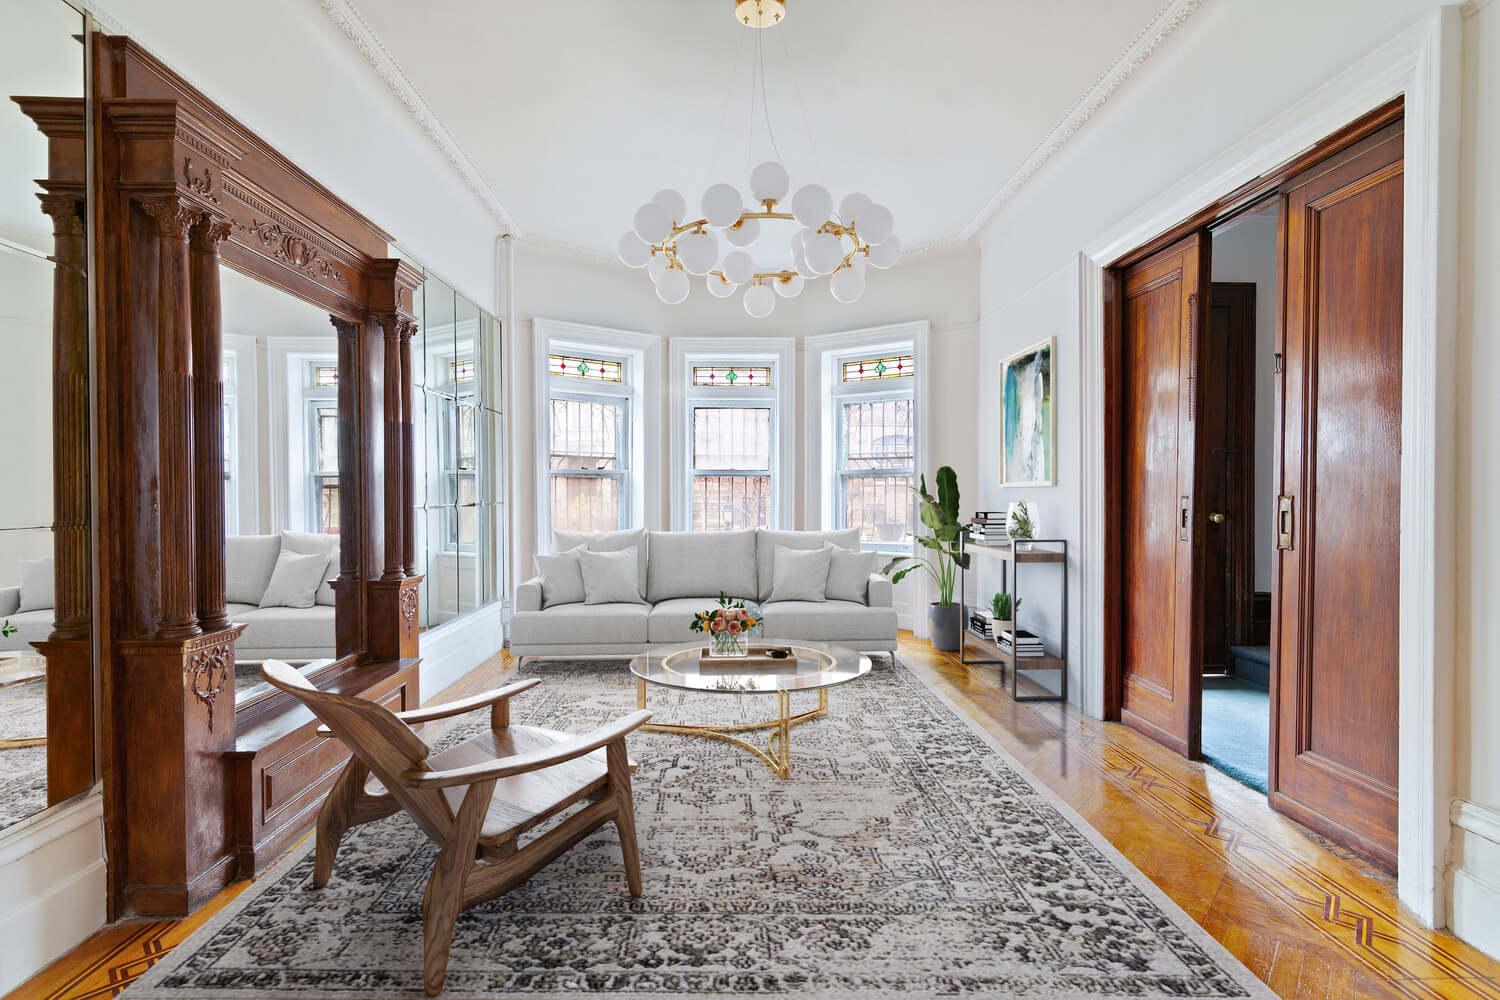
[[408, 607], [294, 251], [66, 211], [208, 671]]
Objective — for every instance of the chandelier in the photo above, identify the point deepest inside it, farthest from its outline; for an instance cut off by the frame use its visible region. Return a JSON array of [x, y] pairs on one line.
[[674, 247]]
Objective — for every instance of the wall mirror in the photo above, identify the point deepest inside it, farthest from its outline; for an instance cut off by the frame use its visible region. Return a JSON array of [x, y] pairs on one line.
[[281, 478], [47, 678]]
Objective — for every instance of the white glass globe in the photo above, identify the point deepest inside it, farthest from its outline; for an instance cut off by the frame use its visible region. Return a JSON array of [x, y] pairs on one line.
[[697, 251], [673, 203], [874, 224], [859, 264], [885, 254], [824, 252], [719, 288], [634, 252], [791, 287], [803, 267], [744, 234], [851, 206], [657, 266], [739, 267], [847, 286], [722, 205], [769, 180], [812, 205], [798, 244], [759, 301], [652, 223], [673, 286]]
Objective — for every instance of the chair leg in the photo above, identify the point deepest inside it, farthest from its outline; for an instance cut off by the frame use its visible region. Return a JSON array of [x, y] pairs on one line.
[[444, 899], [619, 784], [334, 818]]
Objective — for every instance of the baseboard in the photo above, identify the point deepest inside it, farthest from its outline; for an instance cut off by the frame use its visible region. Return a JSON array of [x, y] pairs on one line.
[[450, 651], [1474, 899], [52, 869]]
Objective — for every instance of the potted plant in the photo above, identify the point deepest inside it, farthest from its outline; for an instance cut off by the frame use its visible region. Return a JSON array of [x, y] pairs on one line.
[[1003, 610], [939, 516], [1022, 525]]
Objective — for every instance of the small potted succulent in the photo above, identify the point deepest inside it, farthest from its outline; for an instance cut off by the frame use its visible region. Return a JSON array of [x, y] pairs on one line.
[[1003, 609], [730, 626]]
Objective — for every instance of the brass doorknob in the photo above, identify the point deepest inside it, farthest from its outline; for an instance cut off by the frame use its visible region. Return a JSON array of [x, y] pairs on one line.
[[1216, 518]]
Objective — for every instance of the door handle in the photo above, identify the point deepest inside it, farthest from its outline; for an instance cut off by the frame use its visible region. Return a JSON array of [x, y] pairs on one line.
[[1184, 521], [1216, 518], [1285, 522]]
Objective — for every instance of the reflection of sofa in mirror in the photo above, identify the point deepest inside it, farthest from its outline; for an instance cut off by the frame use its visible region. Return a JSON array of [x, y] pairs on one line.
[[278, 586], [28, 606]]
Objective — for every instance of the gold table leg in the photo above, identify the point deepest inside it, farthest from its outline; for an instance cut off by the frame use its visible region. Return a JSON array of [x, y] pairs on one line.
[[778, 752]]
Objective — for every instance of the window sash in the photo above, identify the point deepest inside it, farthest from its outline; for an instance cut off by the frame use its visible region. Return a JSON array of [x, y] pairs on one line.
[[620, 474], [846, 475]]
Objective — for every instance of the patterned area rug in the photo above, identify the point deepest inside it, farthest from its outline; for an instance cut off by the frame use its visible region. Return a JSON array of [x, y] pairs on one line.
[[907, 856], [23, 771]]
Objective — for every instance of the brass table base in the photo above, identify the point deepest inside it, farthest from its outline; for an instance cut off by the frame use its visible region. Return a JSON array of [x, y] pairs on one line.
[[778, 752], [23, 743]]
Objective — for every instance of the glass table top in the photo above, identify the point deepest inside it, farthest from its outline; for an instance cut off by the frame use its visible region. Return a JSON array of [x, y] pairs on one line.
[[809, 667]]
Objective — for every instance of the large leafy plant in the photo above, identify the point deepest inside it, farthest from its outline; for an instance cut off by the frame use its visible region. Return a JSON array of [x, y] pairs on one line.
[[939, 516]]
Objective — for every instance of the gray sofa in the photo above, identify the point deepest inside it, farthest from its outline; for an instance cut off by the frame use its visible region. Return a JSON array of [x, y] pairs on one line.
[[278, 633], [682, 573]]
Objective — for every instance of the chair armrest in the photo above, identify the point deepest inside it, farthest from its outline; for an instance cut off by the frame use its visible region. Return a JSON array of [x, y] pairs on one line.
[[520, 763], [529, 595], [431, 713], [878, 594]]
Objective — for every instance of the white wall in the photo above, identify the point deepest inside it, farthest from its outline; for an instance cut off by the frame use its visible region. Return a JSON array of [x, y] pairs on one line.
[[26, 405], [1228, 70], [1476, 849], [559, 283], [1246, 252]]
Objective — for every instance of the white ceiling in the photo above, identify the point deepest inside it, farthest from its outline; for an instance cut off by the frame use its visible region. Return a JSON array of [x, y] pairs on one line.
[[576, 112]]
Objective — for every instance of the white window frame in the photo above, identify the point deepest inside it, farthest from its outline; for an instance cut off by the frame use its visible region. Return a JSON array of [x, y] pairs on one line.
[[640, 358], [441, 358], [777, 353], [287, 361], [874, 391], [314, 398], [242, 400]]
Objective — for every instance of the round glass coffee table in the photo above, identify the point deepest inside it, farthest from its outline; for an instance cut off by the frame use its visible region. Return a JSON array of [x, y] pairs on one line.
[[806, 667]]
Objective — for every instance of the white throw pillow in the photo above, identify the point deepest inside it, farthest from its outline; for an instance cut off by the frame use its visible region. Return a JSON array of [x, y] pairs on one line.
[[295, 580], [38, 585], [611, 577], [562, 577], [801, 574], [248, 562], [849, 574], [306, 543]]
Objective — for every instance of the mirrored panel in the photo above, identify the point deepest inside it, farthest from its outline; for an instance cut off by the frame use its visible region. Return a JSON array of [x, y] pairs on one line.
[[46, 659], [281, 478]]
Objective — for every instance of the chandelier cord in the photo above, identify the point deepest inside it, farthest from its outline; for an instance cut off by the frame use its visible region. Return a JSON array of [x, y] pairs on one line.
[[739, 56], [765, 106], [786, 52]]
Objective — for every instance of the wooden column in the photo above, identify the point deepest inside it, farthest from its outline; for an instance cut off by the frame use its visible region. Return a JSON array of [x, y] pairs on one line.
[[408, 457], [349, 609], [174, 372], [208, 420], [395, 494]]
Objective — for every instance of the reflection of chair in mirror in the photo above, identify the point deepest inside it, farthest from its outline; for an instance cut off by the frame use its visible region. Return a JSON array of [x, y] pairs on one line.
[[474, 800]]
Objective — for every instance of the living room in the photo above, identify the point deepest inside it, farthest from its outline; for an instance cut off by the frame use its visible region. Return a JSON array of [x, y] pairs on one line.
[[750, 496]]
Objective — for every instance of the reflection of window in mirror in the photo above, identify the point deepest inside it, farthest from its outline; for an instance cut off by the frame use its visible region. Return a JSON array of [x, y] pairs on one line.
[[321, 425]]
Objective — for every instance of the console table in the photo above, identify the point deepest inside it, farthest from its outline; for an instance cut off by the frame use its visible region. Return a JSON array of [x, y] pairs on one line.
[[1053, 551]]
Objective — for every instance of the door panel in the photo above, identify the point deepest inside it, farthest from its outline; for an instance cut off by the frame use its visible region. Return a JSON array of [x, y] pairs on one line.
[[1162, 310], [1335, 754]]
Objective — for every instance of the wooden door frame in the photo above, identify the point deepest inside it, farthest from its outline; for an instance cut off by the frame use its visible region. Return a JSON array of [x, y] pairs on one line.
[[1241, 501], [1420, 68]]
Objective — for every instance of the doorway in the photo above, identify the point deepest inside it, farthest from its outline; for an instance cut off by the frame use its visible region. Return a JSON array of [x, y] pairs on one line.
[[1185, 633]]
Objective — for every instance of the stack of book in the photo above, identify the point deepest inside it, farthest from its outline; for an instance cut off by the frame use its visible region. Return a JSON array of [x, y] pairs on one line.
[[988, 528], [981, 624], [1026, 644]]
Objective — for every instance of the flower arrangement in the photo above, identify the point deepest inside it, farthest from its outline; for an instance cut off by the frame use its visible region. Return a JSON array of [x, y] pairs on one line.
[[728, 626]]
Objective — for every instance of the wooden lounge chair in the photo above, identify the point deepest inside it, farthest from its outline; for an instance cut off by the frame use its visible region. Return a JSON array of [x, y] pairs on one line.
[[473, 800]]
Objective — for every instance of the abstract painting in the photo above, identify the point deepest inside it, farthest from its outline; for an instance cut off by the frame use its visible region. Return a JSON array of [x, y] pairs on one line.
[[1027, 440]]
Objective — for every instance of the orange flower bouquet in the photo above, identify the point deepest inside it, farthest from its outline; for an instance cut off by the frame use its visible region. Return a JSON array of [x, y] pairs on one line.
[[730, 626]]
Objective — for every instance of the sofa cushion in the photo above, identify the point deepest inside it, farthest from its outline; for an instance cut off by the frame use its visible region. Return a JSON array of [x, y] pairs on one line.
[[585, 624], [605, 541], [37, 584], [286, 628], [295, 580], [10, 600], [30, 626], [561, 576], [767, 540], [849, 574], [248, 562], [670, 620], [828, 621], [801, 574], [610, 577], [307, 542], [690, 563]]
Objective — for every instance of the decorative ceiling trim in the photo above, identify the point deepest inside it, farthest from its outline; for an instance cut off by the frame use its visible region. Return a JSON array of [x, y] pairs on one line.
[[1166, 21], [380, 59]]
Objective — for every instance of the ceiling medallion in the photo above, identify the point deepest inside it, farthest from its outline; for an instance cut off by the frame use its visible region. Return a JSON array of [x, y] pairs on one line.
[[673, 247]]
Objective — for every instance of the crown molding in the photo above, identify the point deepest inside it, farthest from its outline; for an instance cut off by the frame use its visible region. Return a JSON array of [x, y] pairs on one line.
[[1472, 7], [1167, 20], [347, 17]]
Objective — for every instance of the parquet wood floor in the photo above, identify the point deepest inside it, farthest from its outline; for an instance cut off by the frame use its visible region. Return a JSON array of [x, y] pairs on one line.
[[1313, 923]]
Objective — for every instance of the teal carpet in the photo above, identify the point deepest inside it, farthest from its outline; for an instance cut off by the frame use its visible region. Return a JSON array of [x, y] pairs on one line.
[[1237, 729]]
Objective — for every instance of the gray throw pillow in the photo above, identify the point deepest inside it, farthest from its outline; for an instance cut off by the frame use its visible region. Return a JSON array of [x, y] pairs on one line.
[[849, 574], [800, 574], [295, 580], [38, 585], [611, 577], [305, 543], [562, 577]]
